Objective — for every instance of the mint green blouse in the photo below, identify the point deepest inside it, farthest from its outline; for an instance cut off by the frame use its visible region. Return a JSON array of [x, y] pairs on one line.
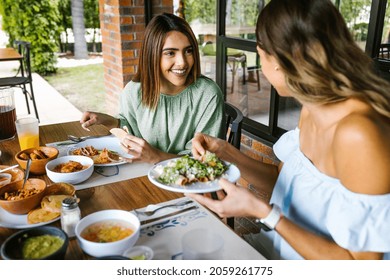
[[170, 128]]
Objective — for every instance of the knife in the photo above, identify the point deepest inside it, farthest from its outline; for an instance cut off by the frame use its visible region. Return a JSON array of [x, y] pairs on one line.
[[162, 218]]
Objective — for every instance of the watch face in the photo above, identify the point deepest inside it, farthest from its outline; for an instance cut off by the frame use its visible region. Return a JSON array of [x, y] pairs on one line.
[[262, 225]]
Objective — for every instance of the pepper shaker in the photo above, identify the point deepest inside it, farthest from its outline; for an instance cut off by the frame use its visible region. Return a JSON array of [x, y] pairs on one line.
[[70, 215]]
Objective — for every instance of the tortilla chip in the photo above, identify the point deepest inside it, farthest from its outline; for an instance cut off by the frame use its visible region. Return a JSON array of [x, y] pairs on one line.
[[40, 215], [53, 203]]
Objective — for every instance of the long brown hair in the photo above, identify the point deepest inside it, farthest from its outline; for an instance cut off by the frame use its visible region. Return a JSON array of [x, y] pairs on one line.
[[318, 55], [148, 73]]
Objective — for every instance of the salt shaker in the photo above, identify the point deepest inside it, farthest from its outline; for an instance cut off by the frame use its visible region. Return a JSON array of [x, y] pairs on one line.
[[70, 215]]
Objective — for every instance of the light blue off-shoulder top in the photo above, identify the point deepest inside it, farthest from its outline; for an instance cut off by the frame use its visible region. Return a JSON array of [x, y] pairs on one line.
[[321, 204]]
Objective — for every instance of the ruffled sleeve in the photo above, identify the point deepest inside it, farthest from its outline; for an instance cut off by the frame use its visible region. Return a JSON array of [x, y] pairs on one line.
[[287, 144], [360, 222]]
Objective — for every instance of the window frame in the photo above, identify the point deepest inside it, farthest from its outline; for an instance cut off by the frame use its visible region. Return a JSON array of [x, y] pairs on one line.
[[272, 132]]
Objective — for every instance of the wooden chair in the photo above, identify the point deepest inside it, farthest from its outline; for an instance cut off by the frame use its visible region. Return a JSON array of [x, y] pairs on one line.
[[23, 76]]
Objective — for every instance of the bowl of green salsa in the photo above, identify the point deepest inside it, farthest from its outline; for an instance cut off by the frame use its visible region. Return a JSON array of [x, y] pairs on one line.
[[40, 243]]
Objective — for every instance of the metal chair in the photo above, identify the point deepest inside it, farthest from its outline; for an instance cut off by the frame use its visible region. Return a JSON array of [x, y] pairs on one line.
[[234, 119], [23, 76]]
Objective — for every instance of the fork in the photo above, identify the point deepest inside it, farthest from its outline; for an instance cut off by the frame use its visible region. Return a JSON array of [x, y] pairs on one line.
[[152, 212], [82, 138]]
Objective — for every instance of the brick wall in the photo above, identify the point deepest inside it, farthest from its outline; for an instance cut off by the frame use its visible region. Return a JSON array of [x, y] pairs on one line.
[[262, 152], [122, 24]]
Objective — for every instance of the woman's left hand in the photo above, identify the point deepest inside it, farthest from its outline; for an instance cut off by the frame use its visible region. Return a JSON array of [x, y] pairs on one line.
[[234, 201]]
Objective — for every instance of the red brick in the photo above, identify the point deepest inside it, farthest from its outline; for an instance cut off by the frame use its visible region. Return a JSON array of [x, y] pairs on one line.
[[262, 148]]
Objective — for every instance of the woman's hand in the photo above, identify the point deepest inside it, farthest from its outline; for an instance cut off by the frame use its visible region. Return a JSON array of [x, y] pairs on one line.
[[91, 118], [237, 202], [142, 150], [203, 142]]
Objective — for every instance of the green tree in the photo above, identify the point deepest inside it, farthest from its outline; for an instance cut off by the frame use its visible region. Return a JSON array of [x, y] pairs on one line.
[[354, 13], [65, 22], [202, 11], [35, 22], [92, 20]]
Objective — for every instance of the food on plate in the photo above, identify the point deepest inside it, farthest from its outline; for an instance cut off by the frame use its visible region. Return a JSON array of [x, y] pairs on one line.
[[34, 155], [98, 156], [107, 231], [38, 247], [69, 167], [19, 194], [40, 215], [186, 170], [53, 203]]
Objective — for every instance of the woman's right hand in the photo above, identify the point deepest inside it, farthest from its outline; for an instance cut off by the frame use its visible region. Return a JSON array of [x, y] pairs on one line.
[[91, 118], [203, 142]]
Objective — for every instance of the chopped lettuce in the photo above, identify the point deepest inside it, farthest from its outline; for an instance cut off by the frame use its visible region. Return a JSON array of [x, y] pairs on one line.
[[187, 170]]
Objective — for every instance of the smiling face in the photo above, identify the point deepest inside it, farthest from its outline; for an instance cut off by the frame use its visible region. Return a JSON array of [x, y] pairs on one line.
[[176, 62]]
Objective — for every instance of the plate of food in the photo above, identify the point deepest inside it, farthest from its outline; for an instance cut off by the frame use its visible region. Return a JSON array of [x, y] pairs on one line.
[[105, 151], [188, 175], [48, 212], [9, 220]]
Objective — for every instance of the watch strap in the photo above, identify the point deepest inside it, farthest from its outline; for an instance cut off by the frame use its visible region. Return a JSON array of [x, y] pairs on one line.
[[269, 223]]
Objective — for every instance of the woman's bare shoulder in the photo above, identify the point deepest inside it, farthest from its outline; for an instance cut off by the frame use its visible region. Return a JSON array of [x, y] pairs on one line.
[[361, 153]]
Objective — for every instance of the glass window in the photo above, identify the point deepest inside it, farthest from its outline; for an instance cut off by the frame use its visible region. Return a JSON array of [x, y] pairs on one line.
[[241, 17], [384, 48], [201, 15], [288, 114], [357, 16]]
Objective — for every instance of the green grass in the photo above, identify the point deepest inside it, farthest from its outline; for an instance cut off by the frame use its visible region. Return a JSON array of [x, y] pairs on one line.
[[83, 86]]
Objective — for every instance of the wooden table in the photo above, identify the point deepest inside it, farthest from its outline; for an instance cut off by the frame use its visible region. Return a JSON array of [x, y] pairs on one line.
[[7, 54], [126, 195]]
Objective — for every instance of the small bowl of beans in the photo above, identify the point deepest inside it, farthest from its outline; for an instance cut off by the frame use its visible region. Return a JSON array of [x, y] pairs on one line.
[[17, 199]]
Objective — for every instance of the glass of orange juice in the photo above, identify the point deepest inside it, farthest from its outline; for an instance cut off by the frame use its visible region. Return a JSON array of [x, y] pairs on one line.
[[28, 132]]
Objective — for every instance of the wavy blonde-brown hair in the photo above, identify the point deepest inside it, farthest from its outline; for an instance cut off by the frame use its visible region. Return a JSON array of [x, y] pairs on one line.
[[318, 55], [148, 73]]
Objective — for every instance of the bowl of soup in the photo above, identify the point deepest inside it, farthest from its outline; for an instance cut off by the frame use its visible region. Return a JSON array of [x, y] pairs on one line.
[[107, 232], [40, 243]]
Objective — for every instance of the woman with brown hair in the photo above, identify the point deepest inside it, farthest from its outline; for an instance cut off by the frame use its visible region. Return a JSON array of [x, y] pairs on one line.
[[169, 100], [331, 193]]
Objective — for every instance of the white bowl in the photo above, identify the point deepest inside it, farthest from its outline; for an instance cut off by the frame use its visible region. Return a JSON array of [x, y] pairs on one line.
[[73, 177], [139, 253], [96, 249]]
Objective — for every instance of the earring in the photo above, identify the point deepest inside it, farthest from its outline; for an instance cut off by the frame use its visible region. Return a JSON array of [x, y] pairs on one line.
[[276, 68]]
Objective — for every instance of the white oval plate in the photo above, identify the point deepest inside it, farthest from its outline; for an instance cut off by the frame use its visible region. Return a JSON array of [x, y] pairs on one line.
[[232, 175], [110, 142], [9, 220]]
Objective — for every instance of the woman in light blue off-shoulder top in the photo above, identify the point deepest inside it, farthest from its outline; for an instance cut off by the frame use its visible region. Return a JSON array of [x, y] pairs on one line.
[[168, 100], [330, 196]]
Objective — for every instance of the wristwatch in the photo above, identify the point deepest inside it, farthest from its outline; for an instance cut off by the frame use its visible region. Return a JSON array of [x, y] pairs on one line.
[[269, 223]]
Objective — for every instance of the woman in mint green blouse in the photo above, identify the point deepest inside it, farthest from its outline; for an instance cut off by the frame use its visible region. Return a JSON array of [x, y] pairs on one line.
[[168, 101]]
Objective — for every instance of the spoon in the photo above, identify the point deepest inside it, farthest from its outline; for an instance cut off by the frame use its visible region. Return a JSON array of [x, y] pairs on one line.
[[27, 172], [9, 168], [82, 138]]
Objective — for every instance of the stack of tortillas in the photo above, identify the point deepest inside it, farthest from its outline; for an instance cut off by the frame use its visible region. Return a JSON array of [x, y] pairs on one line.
[[51, 203]]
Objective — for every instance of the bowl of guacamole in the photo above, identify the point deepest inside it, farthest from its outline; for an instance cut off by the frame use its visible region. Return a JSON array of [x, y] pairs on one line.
[[40, 243]]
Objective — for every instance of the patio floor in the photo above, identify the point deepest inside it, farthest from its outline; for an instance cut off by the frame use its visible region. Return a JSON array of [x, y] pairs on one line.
[[52, 106]]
